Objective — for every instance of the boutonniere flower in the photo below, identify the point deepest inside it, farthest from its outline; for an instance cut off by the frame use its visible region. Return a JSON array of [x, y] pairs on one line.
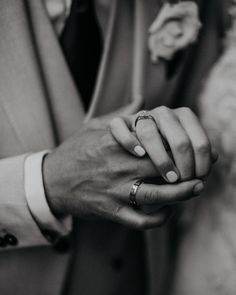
[[176, 27]]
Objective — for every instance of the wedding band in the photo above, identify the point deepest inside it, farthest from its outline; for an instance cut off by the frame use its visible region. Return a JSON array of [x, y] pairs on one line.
[[133, 193], [144, 115]]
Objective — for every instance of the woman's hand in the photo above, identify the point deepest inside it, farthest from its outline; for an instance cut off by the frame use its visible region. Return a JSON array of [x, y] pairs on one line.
[[179, 130]]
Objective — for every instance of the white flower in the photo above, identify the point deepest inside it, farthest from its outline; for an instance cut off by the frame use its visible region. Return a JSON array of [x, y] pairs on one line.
[[175, 27]]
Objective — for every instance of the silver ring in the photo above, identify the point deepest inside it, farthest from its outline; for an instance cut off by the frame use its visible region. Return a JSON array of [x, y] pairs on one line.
[[133, 193], [144, 115]]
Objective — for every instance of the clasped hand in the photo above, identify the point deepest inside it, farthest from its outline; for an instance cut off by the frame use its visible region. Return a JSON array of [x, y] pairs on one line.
[[91, 174]]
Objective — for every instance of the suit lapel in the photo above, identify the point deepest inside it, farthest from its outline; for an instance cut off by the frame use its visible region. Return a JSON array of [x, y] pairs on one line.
[[21, 87], [37, 94], [113, 89], [63, 100]]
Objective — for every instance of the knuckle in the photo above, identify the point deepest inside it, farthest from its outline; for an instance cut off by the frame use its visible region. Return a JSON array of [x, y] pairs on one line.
[[151, 197], [203, 148], [165, 165], [182, 146], [187, 175], [184, 111], [162, 109], [146, 197], [203, 172]]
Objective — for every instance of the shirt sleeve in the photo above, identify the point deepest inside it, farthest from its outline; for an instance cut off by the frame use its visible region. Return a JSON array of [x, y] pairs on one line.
[[53, 228]]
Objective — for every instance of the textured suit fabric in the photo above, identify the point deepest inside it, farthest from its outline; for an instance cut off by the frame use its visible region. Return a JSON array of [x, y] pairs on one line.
[[39, 108], [27, 123]]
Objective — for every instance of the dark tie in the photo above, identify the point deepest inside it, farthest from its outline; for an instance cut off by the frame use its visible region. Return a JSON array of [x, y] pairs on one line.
[[82, 46]]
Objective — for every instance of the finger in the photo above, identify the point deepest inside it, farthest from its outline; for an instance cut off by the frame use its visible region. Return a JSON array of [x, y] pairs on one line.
[[150, 139], [199, 139], [125, 137], [178, 140], [149, 194], [129, 217]]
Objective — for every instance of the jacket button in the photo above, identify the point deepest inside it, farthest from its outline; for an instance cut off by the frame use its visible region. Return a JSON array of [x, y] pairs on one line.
[[10, 240], [3, 243]]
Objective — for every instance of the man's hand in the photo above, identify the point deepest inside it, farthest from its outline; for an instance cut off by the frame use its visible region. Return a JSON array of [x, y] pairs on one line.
[[91, 175], [190, 152]]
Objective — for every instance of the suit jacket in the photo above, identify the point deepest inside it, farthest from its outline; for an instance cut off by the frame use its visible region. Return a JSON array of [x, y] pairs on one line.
[[39, 108]]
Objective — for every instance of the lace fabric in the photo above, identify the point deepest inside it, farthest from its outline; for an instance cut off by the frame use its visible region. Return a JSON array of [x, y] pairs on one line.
[[217, 103]]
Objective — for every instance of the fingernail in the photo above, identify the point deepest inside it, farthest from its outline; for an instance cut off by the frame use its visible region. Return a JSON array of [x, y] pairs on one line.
[[198, 188], [139, 151], [172, 176]]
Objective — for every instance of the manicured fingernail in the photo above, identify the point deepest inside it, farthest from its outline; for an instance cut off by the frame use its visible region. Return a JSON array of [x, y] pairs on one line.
[[139, 151], [172, 176], [198, 188]]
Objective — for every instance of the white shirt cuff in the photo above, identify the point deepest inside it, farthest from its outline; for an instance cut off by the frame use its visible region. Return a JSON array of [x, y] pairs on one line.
[[37, 201]]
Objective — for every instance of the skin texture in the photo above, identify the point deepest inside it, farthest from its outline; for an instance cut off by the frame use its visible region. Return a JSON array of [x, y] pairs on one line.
[[91, 176], [174, 140]]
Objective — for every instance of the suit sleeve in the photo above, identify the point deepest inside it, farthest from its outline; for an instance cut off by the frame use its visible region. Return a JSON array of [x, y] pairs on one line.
[[18, 226], [15, 217], [54, 229]]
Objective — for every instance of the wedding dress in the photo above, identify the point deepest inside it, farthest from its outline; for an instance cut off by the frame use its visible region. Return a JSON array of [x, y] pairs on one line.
[[206, 263]]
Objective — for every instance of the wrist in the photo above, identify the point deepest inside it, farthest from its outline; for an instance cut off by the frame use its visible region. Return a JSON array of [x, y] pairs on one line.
[[51, 185]]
